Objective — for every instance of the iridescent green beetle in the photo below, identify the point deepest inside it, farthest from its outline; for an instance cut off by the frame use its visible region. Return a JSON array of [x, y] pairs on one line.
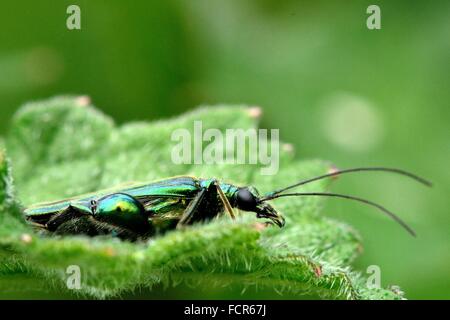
[[141, 211]]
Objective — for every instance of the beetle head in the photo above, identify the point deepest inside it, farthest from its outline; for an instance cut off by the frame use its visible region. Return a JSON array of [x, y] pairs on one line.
[[248, 199]]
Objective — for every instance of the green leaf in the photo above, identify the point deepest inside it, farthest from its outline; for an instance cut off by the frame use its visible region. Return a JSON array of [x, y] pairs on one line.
[[11, 219], [58, 148], [63, 147]]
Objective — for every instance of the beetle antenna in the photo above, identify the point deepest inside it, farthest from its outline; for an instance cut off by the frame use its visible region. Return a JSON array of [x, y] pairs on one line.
[[337, 195], [340, 172]]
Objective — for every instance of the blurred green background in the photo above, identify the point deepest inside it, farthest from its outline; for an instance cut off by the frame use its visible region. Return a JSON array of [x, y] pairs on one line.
[[336, 90]]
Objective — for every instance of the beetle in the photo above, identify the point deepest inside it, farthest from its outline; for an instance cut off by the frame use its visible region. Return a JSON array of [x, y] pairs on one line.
[[141, 211]]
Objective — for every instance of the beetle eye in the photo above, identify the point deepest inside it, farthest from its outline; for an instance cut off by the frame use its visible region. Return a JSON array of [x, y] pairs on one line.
[[246, 200]]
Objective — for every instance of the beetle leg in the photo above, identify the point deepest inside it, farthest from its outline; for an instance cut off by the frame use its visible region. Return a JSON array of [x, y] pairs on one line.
[[65, 215], [36, 225], [189, 212], [206, 201], [225, 202]]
